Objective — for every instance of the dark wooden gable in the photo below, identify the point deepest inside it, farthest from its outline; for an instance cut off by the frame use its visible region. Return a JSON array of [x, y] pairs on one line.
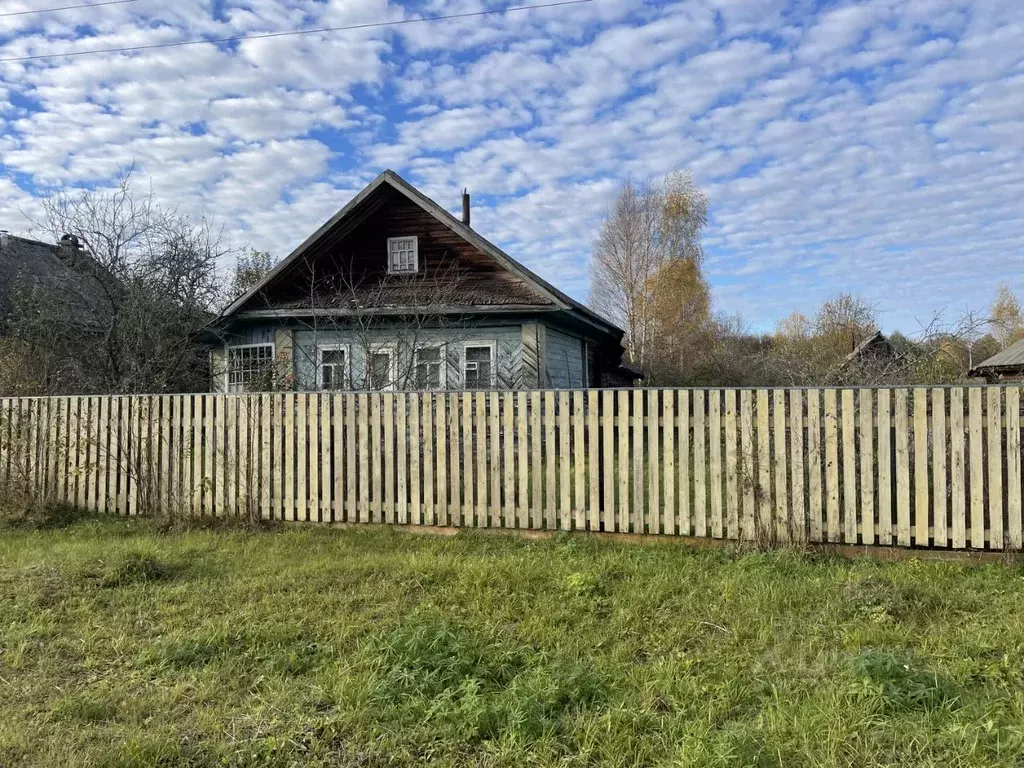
[[346, 269]]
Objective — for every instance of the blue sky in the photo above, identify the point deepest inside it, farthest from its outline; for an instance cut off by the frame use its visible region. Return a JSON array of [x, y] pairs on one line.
[[874, 147]]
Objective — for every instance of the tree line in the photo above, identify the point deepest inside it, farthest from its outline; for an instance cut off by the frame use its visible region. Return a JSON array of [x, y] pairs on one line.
[[647, 275]]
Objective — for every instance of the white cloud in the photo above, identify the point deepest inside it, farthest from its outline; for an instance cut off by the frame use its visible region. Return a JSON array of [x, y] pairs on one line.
[[869, 146]]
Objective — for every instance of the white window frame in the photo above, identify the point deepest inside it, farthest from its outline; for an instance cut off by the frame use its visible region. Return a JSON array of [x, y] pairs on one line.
[[320, 349], [443, 362], [415, 255], [228, 349], [392, 350], [493, 346]]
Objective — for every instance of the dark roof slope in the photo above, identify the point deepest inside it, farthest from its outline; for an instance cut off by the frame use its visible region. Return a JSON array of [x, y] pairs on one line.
[[1011, 357], [44, 267]]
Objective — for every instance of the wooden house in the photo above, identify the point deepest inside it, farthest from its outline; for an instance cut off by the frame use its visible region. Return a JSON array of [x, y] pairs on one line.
[[1006, 366], [395, 293]]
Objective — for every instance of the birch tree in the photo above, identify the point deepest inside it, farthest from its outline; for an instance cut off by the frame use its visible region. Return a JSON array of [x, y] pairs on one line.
[[649, 223]]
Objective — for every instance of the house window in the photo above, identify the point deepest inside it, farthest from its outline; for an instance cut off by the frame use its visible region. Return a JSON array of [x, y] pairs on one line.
[[250, 367], [334, 367], [403, 255], [380, 368], [478, 368], [428, 369]]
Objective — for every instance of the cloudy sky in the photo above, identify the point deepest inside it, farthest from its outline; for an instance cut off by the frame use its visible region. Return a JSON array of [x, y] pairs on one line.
[[875, 147]]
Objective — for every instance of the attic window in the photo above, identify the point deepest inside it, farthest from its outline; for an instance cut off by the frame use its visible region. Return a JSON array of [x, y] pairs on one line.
[[403, 255]]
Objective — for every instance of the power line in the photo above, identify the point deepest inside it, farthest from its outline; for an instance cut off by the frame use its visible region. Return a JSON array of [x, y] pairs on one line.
[[294, 32], [66, 8]]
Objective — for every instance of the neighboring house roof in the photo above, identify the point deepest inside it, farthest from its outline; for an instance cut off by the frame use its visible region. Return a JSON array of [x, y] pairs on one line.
[[875, 347], [60, 272], [533, 292], [1010, 359]]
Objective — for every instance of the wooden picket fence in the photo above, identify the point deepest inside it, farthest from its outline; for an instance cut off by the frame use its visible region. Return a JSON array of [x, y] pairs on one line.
[[924, 467]]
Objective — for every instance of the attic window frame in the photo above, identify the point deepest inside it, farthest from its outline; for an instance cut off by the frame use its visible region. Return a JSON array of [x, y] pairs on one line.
[[392, 269]]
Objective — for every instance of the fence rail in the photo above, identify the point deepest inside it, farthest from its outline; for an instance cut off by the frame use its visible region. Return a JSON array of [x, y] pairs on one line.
[[928, 467]]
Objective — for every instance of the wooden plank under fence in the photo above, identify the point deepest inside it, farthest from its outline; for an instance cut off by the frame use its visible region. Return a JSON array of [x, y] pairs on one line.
[[748, 525], [783, 513], [796, 463], [715, 468], [922, 502], [977, 467], [637, 441], [884, 452], [579, 460], [995, 468], [940, 533], [608, 460], [866, 408], [849, 442], [957, 468], [700, 493], [1015, 525], [668, 470]]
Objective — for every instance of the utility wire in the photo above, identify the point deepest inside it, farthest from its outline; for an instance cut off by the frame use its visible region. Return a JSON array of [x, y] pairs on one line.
[[294, 32], [66, 8]]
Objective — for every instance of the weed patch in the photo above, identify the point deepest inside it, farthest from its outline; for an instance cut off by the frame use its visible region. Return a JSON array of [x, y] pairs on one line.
[[898, 682]]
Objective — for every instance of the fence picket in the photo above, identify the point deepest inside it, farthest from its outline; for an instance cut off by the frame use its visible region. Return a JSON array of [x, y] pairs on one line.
[[784, 522], [796, 466], [388, 403], [494, 444], [939, 439], [995, 468], [922, 503], [669, 473], [441, 503], [867, 469], [522, 461], [536, 471], [622, 425], [957, 468], [637, 440], [748, 525], [812, 448], [831, 419], [455, 467], [428, 474], [592, 455], [977, 469], [480, 434], [700, 493], [903, 508], [608, 460], [765, 526], [508, 455], [402, 479], [685, 527], [1015, 531], [578, 456], [415, 452], [885, 488], [715, 461], [849, 442]]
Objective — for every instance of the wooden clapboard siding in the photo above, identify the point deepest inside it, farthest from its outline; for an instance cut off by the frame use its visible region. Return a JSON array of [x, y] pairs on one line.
[[796, 464]]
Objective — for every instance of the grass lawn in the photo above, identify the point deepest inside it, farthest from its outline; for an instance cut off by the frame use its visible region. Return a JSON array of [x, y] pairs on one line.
[[121, 645]]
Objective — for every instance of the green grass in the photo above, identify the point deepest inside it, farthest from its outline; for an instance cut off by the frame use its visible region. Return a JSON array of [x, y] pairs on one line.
[[124, 646]]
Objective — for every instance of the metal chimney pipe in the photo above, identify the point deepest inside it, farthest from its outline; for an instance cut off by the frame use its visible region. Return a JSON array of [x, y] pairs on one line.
[[465, 207]]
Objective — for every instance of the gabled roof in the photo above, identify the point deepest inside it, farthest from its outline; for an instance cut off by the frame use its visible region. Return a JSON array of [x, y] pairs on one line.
[[1011, 357], [44, 268], [559, 299]]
